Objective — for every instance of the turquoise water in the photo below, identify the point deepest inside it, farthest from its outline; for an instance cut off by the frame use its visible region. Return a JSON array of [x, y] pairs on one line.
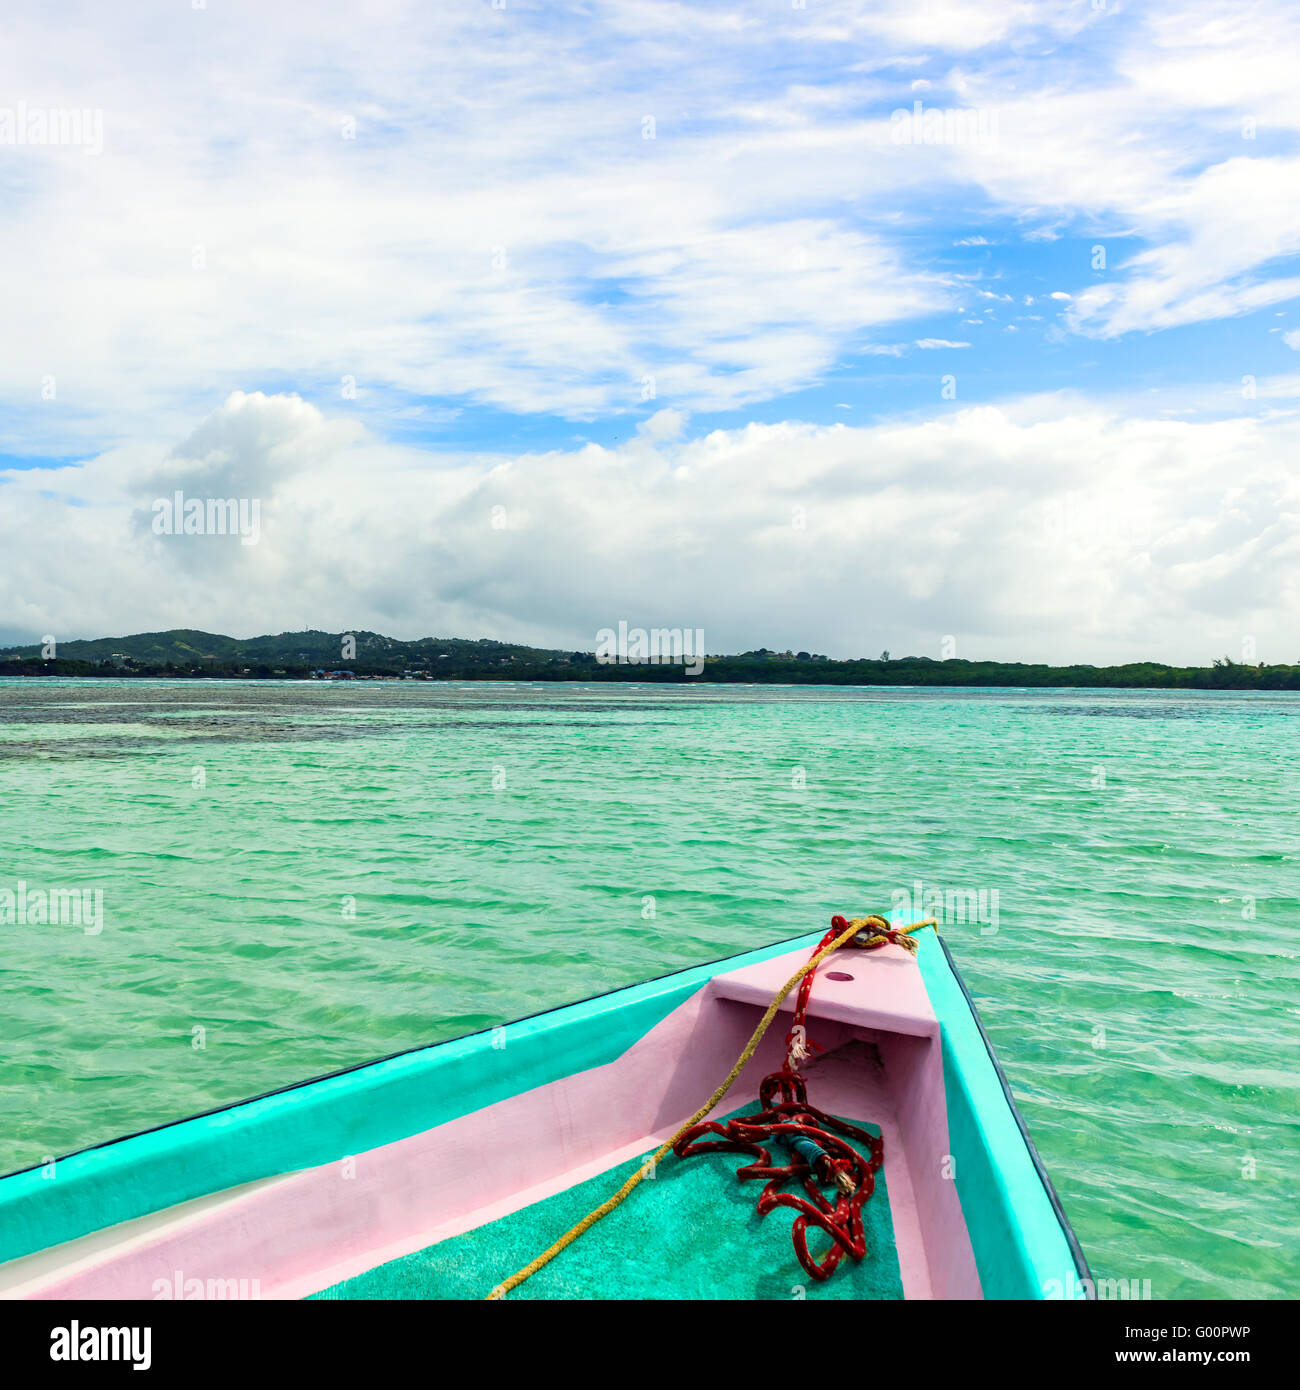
[[298, 877]]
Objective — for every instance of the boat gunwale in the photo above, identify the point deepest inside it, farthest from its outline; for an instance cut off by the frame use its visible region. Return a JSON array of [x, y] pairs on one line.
[[793, 944], [394, 1056], [1076, 1250]]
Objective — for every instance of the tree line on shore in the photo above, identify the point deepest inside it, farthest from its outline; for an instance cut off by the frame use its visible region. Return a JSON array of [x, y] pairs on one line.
[[185, 654]]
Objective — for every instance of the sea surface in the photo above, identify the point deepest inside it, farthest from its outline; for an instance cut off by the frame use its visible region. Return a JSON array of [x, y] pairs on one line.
[[296, 877]]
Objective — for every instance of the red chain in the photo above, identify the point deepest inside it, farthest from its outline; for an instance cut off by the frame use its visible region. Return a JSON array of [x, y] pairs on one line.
[[798, 1033], [794, 1117], [838, 1164]]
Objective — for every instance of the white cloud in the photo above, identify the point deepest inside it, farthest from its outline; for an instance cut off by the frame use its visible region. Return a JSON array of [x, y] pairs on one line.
[[663, 425], [1185, 149], [1292, 339], [506, 236], [1235, 218], [501, 234], [1045, 529]]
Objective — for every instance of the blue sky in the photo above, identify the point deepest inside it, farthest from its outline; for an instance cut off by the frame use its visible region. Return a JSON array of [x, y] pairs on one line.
[[449, 253]]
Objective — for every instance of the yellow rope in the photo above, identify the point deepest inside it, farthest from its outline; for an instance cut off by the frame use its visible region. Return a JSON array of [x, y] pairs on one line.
[[854, 927]]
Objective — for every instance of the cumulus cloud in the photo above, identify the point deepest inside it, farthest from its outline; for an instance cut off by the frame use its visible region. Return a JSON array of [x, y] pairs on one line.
[[663, 424], [647, 209], [1044, 529]]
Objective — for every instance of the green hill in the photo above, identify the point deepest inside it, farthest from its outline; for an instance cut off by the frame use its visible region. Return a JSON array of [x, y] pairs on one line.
[[186, 652]]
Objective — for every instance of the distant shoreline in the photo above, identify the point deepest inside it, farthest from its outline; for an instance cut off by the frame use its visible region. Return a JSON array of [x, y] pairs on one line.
[[1275, 679], [188, 654]]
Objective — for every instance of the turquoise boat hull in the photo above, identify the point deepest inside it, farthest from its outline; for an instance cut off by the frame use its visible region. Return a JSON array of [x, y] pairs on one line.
[[425, 1174]]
